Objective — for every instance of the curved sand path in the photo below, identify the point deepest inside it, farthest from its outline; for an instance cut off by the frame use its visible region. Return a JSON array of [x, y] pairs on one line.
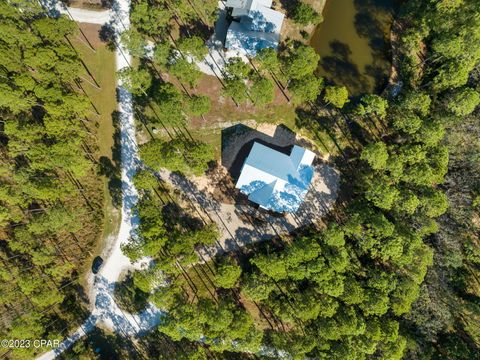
[[104, 308]]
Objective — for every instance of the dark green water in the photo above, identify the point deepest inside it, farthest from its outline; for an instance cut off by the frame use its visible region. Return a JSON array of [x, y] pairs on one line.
[[354, 43]]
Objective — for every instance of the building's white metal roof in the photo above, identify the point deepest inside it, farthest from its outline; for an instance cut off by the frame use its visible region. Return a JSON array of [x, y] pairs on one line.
[[249, 42], [254, 21], [248, 4], [274, 180], [265, 20]]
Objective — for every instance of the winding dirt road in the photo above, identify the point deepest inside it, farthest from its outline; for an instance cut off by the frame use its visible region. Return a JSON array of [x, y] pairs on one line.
[[104, 309]]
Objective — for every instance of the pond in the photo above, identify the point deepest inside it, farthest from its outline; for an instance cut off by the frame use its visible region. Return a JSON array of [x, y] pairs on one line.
[[353, 42]]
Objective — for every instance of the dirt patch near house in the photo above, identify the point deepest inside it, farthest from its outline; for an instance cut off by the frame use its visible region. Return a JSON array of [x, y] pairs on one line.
[[224, 109], [89, 4], [90, 35]]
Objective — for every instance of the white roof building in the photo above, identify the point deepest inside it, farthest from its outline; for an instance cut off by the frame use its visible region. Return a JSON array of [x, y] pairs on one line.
[[274, 180], [242, 7], [255, 26]]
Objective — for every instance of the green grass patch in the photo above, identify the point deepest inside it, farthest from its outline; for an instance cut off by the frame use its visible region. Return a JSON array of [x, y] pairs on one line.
[[101, 65], [197, 280], [99, 84]]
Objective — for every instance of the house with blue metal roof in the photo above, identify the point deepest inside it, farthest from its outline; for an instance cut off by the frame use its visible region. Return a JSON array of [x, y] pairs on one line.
[[274, 180], [255, 26]]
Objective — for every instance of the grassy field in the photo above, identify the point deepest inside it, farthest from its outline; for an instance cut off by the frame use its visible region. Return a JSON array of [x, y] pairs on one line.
[[98, 82], [224, 113], [101, 65], [197, 280]]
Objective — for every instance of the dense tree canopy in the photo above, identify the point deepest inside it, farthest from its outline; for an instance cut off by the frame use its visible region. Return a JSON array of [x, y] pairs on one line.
[[177, 155], [462, 101], [347, 290], [336, 95], [306, 89], [301, 60], [135, 81], [304, 14], [392, 273], [46, 222]]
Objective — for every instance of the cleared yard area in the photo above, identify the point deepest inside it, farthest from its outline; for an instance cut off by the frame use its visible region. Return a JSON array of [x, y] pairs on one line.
[[98, 83]]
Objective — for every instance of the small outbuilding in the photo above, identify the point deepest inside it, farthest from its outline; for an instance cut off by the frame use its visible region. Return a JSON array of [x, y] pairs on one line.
[[274, 180], [255, 26]]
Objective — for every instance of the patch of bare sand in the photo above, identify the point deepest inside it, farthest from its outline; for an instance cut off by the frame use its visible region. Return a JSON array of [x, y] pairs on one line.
[[268, 129]]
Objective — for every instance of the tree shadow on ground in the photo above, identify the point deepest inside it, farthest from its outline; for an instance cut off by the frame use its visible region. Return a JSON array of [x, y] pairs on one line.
[[114, 183], [289, 6], [76, 303], [174, 216], [189, 187], [95, 4], [326, 134], [110, 168], [107, 35], [196, 27], [107, 3], [223, 186], [103, 346], [161, 346]]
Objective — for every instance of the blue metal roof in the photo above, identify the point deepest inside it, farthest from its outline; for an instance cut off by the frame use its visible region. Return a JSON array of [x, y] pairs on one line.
[[274, 180], [256, 26], [239, 38], [263, 194]]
